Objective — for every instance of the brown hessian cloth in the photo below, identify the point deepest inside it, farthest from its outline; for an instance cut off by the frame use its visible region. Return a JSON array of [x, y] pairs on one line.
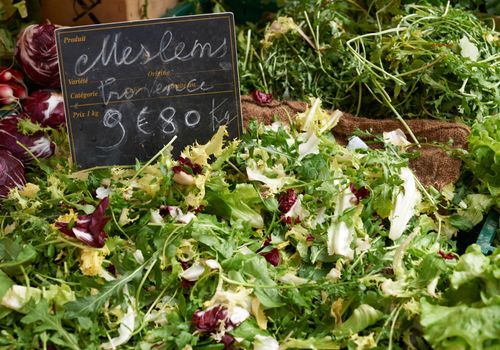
[[434, 166]]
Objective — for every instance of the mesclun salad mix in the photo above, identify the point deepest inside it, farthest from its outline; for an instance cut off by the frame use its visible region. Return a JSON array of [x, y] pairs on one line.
[[377, 58], [284, 239]]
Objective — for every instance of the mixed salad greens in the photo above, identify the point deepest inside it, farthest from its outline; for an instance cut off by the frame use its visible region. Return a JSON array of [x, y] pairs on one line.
[[377, 58], [432, 59], [284, 239], [281, 240]]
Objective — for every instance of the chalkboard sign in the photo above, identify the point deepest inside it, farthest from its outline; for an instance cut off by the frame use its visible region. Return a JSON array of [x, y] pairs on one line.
[[130, 88]]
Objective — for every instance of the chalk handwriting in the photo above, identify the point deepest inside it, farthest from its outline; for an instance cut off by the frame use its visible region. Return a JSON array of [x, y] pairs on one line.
[[219, 115], [157, 88], [114, 52], [142, 122], [169, 126], [111, 119], [132, 87], [192, 118]]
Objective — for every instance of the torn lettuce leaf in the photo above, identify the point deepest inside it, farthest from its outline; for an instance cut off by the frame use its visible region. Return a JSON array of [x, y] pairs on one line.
[[242, 204], [405, 204], [362, 317], [461, 326]]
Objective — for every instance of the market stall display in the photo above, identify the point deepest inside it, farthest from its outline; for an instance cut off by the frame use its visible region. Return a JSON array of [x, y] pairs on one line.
[[317, 229], [433, 165]]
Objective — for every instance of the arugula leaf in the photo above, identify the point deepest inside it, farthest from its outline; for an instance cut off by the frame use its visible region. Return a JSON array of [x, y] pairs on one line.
[[383, 200], [357, 60], [42, 320], [91, 304]]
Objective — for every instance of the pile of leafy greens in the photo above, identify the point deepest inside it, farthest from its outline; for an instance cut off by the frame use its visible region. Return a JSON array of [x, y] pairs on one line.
[[284, 239], [13, 17], [281, 240], [378, 59], [484, 155], [472, 302]]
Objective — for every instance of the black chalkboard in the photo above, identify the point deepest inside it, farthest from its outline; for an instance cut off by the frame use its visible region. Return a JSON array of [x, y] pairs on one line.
[[130, 87]]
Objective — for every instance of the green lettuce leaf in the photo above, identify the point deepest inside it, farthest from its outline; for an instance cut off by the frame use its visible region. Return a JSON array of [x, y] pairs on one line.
[[362, 317], [241, 204], [476, 206], [484, 149], [475, 272], [461, 327]]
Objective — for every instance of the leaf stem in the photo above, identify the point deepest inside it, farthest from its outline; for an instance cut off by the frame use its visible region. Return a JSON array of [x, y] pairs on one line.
[[393, 325], [247, 49], [28, 151], [398, 116], [150, 161], [141, 284]]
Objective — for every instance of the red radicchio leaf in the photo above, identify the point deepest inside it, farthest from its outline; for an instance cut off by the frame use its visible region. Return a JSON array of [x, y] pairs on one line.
[[163, 210], [38, 144], [45, 107], [185, 265], [228, 341], [289, 220], [196, 168], [185, 284], [177, 169], [272, 256], [89, 228], [111, 269], [360, 193], [36, 53], [265, 244], [208, 321], [262, 97], [11, 172], [64, 227], [287, 200], [169, 210], [447, 256], [196, 210], [187, 166]]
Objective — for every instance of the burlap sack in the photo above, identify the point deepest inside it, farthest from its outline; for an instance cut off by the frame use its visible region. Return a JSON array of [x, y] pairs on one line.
[[434, 166]]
